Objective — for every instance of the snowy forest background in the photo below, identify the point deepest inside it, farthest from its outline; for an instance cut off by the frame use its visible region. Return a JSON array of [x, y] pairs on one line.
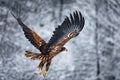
[[93, 55]]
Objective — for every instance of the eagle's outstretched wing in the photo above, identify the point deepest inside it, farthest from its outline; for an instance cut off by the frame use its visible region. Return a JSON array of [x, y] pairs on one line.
[[67, 30], [35, 39]]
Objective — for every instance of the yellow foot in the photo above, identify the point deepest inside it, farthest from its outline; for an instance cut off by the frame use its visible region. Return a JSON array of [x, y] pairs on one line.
[[45, 74], [40, 71]]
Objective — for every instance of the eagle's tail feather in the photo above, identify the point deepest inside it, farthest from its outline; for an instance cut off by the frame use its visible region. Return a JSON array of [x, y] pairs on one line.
[[33, 56]]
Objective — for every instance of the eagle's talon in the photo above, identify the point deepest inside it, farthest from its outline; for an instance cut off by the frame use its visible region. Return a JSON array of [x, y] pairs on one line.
[[45, 74], [40, 71]]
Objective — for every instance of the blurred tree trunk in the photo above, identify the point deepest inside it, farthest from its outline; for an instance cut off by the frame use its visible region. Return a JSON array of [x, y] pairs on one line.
[[96, 41], [61, 9], [106, 40], [3, 56]]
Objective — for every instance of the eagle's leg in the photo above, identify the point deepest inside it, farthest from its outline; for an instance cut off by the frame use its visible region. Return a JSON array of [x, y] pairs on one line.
[[41, 65], [47, 68]]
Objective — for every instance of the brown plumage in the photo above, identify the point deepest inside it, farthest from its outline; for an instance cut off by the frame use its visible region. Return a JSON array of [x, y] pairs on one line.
[[62, 34]]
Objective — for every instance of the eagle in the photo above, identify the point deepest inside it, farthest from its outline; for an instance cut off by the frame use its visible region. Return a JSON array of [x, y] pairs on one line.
[[70, 28]]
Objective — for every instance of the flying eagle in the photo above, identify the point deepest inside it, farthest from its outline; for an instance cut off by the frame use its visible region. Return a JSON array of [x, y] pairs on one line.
[[70, 28]]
